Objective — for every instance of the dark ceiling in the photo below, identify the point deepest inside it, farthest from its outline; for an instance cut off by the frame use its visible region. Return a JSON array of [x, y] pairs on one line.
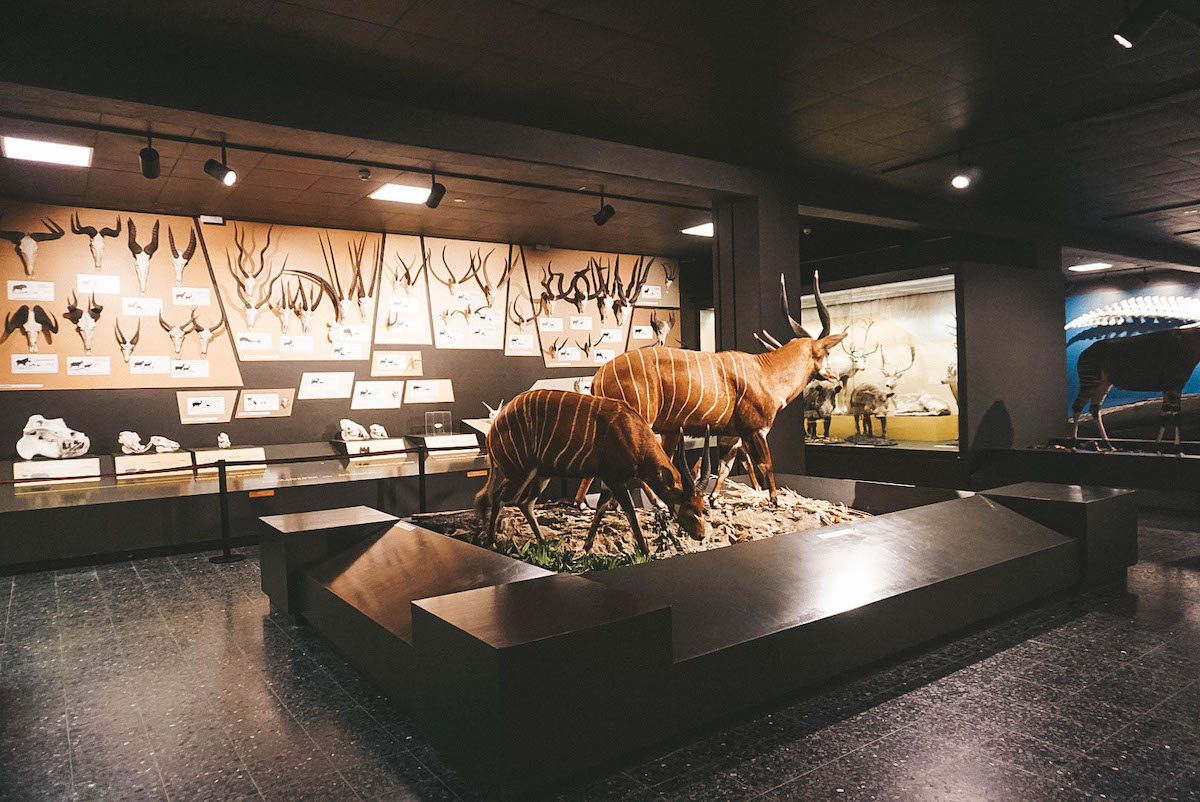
[[1066, 125]]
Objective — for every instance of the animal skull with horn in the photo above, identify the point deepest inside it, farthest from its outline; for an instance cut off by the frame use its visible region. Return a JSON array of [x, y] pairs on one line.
[[127, 345], [345, 296], [141, 255], [84, 320], [34, 325], [484, 281], [601, 291], [518, 318], [95, 237], [176, 332], [180, 260], [403, 282], [662, 328], [206, 333], [285, 309], [550, 297], [249, 276], [27, 243]]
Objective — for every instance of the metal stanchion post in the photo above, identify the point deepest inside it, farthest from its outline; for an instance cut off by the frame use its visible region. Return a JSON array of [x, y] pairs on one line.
[[421, 501], [226, 555]]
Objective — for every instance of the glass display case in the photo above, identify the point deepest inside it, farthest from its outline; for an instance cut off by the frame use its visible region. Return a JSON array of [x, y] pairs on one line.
[[897, 369]]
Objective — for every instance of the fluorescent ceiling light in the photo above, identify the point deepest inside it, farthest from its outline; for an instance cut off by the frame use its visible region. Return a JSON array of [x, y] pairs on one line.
[[401, 193], [35, 150], [702, 230], [1090, 267]]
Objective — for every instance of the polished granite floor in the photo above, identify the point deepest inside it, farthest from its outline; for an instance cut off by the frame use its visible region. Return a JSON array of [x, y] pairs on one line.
[[167, 679]]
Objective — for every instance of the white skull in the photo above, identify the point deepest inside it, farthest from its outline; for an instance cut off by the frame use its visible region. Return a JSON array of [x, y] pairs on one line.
[[492, 413], [206, 336], [352, 430], [87, 330], [251, 316], [251, 284], [377, 432], [32, 330], [347, 306], [51, 437], [179, 263], [306, 316], [223, 440], [27, 249], [131, 443], [163, 445], [97, 243], [141, 265], [126, 350], [177, 335]]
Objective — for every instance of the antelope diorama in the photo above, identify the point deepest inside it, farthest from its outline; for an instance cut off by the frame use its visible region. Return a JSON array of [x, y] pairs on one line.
[[735, 394], [26, 244], [1158, 362], [179, 261], [141, 253], [541, 434], [127, 344], [870, 401], [34, 324], [84, 319], [96, 237]]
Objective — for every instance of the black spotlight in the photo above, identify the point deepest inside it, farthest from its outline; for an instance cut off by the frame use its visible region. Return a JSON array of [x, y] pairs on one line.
[[605, 213], [1138, 22], [436, 192], [151, 167], [220, 171]]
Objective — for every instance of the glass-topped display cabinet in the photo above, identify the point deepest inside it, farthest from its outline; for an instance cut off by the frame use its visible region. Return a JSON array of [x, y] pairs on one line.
[[897, 369]]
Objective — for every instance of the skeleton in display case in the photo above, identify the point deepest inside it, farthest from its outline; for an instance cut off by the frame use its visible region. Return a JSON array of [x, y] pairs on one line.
[[95, 237], [27, 243], [176, 332], [206, 333], [51, 438], [353, 431], [583, 436], [34, 325], [84, 319], [377, 432], [179, 261], [131, 443], [127, 345], [141, 254]]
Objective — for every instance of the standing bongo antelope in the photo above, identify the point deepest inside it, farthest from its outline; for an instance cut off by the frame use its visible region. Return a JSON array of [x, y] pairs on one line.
[[541, 434], [734, 393], [1161, 361]]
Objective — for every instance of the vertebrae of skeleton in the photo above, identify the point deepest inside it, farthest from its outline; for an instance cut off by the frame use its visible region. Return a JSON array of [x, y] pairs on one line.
[[1139, 309]]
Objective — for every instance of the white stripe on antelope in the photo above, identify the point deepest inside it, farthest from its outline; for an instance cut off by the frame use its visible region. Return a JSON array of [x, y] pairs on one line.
[[545, 433]]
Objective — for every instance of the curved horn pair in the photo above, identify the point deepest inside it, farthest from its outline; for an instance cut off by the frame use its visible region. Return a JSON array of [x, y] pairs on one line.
[[822, 312]]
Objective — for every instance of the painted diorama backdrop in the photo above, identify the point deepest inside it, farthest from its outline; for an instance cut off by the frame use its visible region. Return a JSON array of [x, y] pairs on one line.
[[399, 341], [908, 329], [1122, 306]]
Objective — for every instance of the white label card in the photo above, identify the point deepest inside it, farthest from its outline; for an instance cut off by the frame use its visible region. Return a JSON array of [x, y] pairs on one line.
[[422, 391], [189, 368], [356, 333], [651, 292], [610, 336], [451, 337], [643, 333], [295, 343], [88, 366], [98, 283], [581, 323], [142, 307], [521, 342], [260, 402], [550, 324], [191, 296], [377, 395], [31, 290], [346, 351], [568, 354], [326, 385], [35, 363], [204, 405], [602, 355], [146, 365], [407, 305], [391, 363], [253, 340]]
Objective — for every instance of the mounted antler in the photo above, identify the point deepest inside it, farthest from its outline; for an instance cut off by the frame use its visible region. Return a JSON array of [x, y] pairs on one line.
[[180, 260], [95, 237], [85, 321], [206, 333], [671, 273], [484, 281], [662, 328], [176, 332], [514, 314], [404, 282], [576, 296], [893, 376], [35, 324], [27, 244], [127, 345], [586, 347], [550, 296], [142, 254]]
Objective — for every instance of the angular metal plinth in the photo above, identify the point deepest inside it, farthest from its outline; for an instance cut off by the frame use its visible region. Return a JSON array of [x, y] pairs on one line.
[[522, 677]]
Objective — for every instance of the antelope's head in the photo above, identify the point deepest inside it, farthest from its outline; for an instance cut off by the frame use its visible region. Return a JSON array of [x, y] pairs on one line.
[[662, 328], [141, 255], [180, 260], [206, 333], [689, 501], [95, 237], [33, 323], [84, 320], [127, 345], [27, 244], [820, 346], [891, 378]]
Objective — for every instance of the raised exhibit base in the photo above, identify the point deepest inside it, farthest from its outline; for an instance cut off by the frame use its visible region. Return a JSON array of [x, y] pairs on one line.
[[509, 680]]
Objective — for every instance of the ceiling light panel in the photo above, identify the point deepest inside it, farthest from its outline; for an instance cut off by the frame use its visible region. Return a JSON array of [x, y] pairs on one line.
[[1090, 267], [702, 230], [36, 150], [401, 193]]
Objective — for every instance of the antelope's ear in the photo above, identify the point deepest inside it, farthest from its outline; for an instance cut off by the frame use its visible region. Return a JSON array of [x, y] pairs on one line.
[[666, 476], [827, 344]]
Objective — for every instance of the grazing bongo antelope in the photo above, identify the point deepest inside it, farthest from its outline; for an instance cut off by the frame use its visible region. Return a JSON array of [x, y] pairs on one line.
[[734, 393], [545, 433], [1161, 361]]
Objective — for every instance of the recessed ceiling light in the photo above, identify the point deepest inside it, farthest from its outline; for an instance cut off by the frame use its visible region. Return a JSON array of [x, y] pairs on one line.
[[35, 150], [702, 230], [401, 193], [1090, 267]]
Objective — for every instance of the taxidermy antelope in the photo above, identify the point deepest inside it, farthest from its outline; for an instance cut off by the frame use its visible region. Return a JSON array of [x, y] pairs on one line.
[[141, 255], [820, 399], [176, 332], [127, 345], [734, 393], [545, 433], [249, 276], [872, 400], [95, 237], [180, 260], [951, 380], [1161, 361], [206, 333], [402, 283], [661, 328], [27, 244], [84, 320], [34, 325]]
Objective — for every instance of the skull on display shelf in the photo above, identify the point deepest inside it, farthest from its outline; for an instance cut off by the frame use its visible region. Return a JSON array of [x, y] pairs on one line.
[[492, 413], [223, 440], [163, 445], [131, 443], [353, 431], [51, 437], [378, 432]]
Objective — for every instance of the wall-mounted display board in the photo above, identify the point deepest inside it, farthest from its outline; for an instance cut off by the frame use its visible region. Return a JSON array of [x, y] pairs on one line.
[[266, 403], [397, 363], [468, 292], [429, 391], [295, 293], [206, 406], [898, 365], [654, 326], [403, 317], [130, 295]]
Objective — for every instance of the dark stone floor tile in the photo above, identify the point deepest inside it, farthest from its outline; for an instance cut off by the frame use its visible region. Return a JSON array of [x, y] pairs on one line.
[[618, 787], [1134, 688], [851, 780], [705, 786], [1109, 779], [976, 777], [325, 788], [1030, 753], [395, 776], [1184, 788]]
